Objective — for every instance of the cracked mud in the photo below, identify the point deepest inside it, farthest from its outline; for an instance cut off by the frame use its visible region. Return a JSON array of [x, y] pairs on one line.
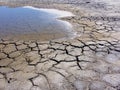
[[90, 61]]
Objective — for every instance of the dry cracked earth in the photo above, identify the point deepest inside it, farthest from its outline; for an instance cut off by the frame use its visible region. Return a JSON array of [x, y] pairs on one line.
[[90, 61]]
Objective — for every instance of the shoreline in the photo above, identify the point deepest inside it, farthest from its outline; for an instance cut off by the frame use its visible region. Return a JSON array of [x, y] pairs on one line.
[[45, 35]]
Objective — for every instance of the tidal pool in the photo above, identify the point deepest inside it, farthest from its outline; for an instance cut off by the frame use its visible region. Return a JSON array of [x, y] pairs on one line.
[[30, 23]]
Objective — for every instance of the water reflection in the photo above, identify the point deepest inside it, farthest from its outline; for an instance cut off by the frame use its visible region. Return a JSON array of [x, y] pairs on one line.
[[33, 23]]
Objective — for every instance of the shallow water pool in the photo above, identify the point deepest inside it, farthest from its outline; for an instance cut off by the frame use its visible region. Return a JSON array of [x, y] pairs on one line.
[[30, 23]]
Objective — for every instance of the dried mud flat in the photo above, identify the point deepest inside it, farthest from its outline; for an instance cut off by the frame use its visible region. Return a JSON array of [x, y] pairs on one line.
[[88, 62]]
